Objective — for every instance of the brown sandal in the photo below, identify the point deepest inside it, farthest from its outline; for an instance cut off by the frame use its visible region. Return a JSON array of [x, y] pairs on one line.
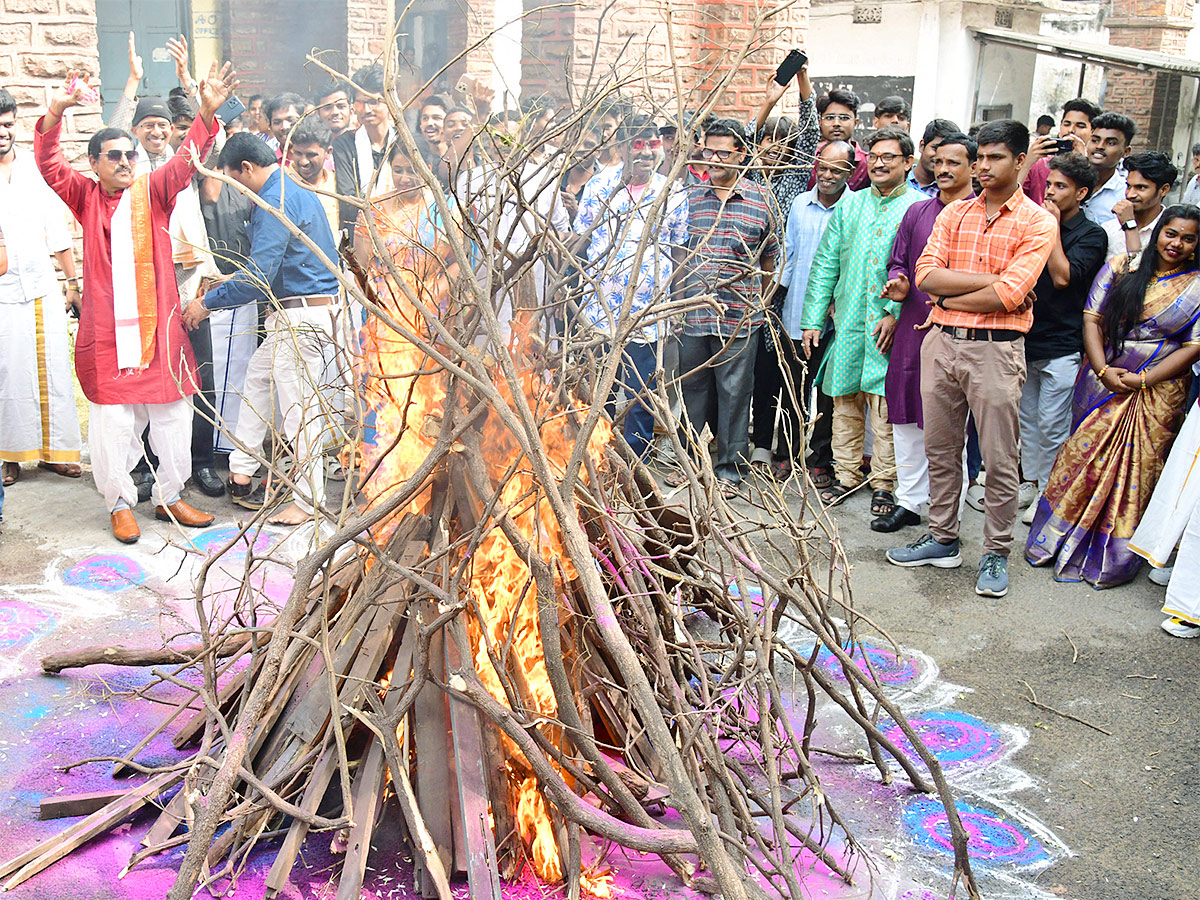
[[12, 473], [67, 470]]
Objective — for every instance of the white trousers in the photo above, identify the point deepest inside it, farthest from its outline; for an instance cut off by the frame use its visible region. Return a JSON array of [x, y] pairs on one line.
[[115, 441], [1046, 414], [912, 466], [38, 419], [234, 340], [286, 369], [912, 469]]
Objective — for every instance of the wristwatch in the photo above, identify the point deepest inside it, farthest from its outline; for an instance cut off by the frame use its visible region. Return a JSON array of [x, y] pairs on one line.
[[1131, 225], [940, 303]]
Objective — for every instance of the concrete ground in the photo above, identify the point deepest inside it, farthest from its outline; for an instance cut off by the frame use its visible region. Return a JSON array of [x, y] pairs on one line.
[[1058, 809]]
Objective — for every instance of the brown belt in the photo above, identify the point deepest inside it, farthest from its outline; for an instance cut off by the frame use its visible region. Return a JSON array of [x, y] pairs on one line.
[[313, 300]]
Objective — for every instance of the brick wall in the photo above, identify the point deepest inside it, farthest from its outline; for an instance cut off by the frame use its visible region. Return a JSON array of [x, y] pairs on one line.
[[1150, 100], [366, 31], [39, 41], [267, 42]]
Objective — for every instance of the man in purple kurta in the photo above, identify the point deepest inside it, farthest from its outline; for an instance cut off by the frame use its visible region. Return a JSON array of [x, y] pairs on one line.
[[953, 164]]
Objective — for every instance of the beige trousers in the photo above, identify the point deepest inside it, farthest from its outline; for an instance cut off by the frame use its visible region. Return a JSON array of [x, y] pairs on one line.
[[849, 435]]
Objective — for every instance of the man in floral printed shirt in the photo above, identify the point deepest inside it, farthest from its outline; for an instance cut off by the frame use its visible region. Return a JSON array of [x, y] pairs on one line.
[[624, 278]]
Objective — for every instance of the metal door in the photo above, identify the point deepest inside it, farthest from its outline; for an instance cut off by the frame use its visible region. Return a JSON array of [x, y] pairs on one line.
[[152, 22]]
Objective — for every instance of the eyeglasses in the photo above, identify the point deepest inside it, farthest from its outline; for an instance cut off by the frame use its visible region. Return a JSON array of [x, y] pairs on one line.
[[718, 155], [115, 156], [886, 158], [639, 144], [836, 117]]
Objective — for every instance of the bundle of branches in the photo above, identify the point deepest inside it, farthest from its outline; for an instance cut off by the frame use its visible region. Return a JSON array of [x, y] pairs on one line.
[[506, 589]]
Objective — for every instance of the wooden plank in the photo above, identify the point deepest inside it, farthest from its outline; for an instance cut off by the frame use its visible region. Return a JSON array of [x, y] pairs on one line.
[[33, 861], [314, 792], [168, 820], [471, 765], [62, 806], [195, 725], [368, 798], [430, 723]]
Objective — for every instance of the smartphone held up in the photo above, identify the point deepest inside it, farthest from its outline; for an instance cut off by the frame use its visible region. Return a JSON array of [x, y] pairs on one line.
[[792, 63]]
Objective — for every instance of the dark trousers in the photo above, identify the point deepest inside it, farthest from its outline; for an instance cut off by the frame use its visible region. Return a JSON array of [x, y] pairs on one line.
[[203, 430], [797, 415], [719, 391], [767, 382], [636, 376]]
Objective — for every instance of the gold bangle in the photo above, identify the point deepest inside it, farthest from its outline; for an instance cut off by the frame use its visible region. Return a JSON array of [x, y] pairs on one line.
[[1143, 381], [1100, 374]]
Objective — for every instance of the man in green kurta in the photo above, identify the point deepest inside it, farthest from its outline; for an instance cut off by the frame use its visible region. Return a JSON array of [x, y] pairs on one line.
[[849, 272]]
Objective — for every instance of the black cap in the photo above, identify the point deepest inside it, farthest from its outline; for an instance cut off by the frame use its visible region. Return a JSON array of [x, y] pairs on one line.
[[151, 106]]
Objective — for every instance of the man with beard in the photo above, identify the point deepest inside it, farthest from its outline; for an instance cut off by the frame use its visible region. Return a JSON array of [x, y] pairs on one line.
[[922, 176], [614, 215], [1149, 177], [848, 273], [430, 122], [953, 166], [131, 356], [311, 143], [38, 419]]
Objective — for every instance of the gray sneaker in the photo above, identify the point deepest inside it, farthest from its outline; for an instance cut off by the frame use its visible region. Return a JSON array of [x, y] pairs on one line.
[[926, 551], [993, 576]]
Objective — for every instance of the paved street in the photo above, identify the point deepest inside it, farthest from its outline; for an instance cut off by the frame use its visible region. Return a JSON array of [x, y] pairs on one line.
[[1060, 810]]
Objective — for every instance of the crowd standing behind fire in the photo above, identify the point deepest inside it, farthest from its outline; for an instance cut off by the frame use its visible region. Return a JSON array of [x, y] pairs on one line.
[[898, 310]]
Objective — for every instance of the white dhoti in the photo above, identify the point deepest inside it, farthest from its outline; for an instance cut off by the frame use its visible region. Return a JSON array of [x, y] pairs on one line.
[[115, 441], [286, 370], [1173, 517], [234, 340], [38, 417]]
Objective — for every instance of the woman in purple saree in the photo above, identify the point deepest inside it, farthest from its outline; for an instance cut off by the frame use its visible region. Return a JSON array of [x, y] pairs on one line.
[[1141, 334]]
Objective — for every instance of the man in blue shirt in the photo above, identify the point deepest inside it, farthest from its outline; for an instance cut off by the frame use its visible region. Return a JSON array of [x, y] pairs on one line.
[[806, 222], [302, 297]]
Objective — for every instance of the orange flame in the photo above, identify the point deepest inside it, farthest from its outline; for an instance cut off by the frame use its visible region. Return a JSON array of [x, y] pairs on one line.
[[403, 393]]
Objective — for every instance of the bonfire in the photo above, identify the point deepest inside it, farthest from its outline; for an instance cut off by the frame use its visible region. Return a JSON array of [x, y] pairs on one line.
[[508, 637]]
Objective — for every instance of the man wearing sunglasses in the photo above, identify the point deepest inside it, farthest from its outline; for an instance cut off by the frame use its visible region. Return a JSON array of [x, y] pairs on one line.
[[615, 213], [132, 357]]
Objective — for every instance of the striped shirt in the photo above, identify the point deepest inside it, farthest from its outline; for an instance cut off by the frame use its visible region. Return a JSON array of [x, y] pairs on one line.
[[1014, 243], [728, 244]]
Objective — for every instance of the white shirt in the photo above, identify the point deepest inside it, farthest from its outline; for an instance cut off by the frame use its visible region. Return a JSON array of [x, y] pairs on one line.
[[34, 220], [1116, 235], [1098, 207], [1191, 194]]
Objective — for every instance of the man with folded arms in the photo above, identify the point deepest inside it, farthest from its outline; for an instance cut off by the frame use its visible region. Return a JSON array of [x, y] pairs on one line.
[[302, 294], [132, 357], [979, 267]]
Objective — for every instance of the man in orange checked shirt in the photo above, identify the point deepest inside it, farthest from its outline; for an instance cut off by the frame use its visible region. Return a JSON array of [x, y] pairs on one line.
[[979, 268]]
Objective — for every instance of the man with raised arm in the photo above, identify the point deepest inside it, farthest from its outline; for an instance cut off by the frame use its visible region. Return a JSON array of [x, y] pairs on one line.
[[132, 357]]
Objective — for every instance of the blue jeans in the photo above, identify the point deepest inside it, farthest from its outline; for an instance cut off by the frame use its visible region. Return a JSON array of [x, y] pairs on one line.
[[636, 376]]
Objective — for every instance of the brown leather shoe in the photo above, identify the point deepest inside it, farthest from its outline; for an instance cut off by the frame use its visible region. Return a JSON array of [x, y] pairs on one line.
[[125, 527], [184, 515]]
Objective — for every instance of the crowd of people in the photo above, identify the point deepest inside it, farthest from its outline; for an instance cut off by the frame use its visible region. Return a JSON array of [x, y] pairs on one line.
[[979, 316]]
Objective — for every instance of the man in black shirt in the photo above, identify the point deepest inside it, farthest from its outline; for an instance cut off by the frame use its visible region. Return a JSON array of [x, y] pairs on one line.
[[1054, 344]]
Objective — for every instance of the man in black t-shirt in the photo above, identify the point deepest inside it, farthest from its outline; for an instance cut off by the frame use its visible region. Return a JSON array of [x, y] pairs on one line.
[[1054, 345]]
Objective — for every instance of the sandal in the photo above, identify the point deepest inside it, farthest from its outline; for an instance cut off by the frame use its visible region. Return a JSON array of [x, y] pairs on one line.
[[675, 479], [782, 470], [729, 489], [833, 494], [67, 470], [12, 473], [822, 476], [882, 503]]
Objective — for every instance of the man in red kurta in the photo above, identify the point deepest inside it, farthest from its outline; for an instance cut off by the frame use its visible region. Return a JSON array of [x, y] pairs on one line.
[[132, 356]]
